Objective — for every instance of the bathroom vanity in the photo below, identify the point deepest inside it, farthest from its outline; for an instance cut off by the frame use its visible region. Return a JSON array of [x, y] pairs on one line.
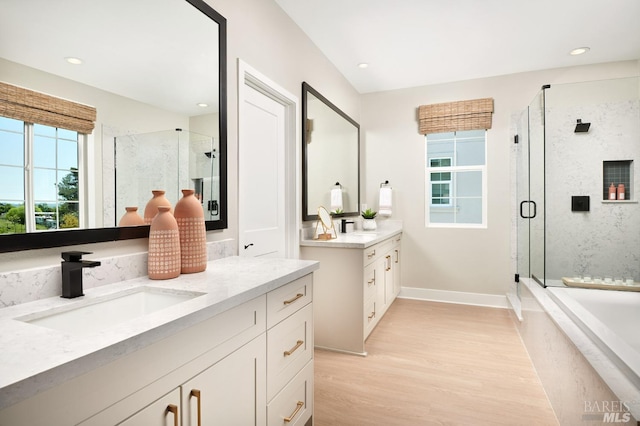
[[358, 281], [234, 346]]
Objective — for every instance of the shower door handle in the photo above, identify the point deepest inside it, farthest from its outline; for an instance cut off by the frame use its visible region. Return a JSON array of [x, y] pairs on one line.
[[535, 209]]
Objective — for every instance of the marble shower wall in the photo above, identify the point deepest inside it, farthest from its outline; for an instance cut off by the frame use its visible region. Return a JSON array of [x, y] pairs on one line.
[[606, 240]]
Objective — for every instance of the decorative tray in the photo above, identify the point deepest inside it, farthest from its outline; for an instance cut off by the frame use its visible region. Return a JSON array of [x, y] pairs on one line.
[[602, 286]]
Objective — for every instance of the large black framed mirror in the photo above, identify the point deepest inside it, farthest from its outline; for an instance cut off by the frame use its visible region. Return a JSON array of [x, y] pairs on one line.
[[183, 63], [330, 157]]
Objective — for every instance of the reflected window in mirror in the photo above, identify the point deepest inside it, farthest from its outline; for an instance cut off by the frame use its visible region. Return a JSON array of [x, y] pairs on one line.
[[331, 156]]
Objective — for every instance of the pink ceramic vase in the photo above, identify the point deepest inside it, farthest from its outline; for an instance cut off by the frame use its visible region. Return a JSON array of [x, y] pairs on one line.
[[151, 209], [131, 217], [164, 246], [193, 235]]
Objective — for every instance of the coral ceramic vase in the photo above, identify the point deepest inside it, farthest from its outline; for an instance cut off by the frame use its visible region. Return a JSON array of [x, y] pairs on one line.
[[193, 236], [131, 217], [151, 209], [164, 246]]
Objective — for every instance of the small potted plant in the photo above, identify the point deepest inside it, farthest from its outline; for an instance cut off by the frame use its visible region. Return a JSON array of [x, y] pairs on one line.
[[368, 220], [337, 213]]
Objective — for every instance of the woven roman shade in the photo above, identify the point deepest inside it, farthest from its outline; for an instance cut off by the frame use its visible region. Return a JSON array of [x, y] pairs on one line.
[[35, 107], [455, 116]]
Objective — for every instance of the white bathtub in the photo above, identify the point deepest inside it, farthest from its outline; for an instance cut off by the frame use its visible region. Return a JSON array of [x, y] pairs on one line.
[[611, 319]]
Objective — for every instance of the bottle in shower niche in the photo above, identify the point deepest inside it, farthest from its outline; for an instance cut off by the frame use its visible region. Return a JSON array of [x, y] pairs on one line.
[[612, 192], [621, 191]]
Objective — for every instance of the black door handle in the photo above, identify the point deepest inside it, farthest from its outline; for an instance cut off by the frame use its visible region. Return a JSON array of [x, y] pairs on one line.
[[246, 246], [535, 210]]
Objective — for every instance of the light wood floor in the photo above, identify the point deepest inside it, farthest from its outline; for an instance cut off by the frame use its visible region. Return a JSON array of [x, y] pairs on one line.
[[433, 364]]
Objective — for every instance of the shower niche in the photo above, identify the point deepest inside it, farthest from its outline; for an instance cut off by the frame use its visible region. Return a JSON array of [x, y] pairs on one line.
[[169, 160], [558, 169]]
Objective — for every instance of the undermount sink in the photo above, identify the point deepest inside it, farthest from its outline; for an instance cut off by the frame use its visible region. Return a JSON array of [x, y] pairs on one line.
[[98, 314]]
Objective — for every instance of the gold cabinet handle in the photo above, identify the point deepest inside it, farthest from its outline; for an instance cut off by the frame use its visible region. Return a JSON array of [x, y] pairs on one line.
[[370, 255], [373, 314], [388, 268], [171, 408], [293, 349], [290, 301], [372, 280], [298, 408], [196, 393], [397, 256]]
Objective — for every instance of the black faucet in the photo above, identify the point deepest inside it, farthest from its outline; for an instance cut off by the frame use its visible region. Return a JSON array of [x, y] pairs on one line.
[[343, 225], [72, 272]]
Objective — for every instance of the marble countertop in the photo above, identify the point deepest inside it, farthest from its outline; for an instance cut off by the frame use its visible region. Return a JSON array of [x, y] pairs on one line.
[[34, 358], [357, 239]]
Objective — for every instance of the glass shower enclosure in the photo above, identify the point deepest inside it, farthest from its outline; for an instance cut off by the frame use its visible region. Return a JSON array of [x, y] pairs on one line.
[[576, 144]]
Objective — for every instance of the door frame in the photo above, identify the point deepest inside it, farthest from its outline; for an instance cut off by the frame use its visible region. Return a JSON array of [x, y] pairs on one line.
[[250, 77]]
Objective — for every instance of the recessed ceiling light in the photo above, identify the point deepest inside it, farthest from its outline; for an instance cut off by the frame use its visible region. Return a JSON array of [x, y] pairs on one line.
[[74, 61], [202, 105], [579, 51], [363, 65]]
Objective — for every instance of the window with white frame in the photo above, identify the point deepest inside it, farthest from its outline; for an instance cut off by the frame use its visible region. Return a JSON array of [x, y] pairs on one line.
[[455, 179], [40, 170]]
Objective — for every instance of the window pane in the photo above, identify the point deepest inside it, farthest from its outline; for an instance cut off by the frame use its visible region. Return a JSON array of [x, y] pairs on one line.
[[46, 216], [12, 148], [11, 217], [469, 184], [67, 134], [67, 154], [44, 152], [441, 216], [44, 185], [469, 210], [42, 130], [11, 124], [68, 186], [12, 187], [440, 145], [470, 149]]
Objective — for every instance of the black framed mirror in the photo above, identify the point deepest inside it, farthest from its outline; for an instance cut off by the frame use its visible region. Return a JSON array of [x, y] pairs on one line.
[[152, 21], [330, 157]]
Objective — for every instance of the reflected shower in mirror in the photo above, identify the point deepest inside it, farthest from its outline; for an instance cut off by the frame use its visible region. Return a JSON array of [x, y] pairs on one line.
[[331, 157], [147, 66]]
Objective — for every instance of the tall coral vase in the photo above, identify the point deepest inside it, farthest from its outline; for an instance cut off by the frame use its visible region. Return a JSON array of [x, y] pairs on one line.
[[164, 246], [151, 209], [193, 235]]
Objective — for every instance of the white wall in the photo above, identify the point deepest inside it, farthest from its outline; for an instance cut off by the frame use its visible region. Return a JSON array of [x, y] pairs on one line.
[[469, 260]]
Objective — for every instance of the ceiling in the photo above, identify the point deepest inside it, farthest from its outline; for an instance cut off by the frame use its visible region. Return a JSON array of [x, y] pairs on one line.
[[409, 43]]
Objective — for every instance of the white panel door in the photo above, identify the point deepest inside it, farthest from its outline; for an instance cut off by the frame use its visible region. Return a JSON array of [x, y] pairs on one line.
[[261, 176]]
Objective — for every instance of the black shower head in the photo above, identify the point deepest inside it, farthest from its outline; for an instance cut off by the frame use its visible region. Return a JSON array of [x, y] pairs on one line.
[[582, 127]]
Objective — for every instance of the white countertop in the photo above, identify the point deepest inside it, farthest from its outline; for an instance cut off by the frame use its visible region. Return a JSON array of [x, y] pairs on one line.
[[34, 358], [357, 239]]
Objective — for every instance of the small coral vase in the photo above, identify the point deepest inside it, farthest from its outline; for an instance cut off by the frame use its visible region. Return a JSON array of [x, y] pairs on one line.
[[193, 235], [151, 209], [131, 217], [164, 246]]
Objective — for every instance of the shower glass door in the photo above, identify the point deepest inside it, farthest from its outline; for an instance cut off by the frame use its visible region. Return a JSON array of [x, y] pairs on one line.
[[536, 113]]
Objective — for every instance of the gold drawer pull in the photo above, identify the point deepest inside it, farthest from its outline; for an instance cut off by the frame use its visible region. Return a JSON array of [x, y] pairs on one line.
[[171, 408], [370, 255], [293, 349], [388, 263], [373, 315], [371, 281], [397, 256], [196, 393], [295, 413], [290, 301]]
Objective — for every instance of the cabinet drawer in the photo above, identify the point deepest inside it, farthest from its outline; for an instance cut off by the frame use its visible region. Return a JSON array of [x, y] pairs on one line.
[[289, 298], [289, 348], [369, 281], [375, 252], [370, 316], [294, 402]]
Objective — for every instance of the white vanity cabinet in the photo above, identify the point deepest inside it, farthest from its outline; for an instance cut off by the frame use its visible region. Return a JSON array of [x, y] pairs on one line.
[[251, 364], [353, 289]]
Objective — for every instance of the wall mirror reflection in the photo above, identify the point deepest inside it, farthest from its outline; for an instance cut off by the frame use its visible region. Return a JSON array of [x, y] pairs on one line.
[[331, 157], [143, 67]]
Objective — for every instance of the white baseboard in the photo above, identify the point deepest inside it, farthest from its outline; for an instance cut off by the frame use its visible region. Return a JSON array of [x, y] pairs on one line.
[[460, 297]]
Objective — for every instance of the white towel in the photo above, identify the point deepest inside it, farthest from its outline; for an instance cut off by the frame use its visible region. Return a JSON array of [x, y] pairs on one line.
[[384, 205], [336, 199]]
